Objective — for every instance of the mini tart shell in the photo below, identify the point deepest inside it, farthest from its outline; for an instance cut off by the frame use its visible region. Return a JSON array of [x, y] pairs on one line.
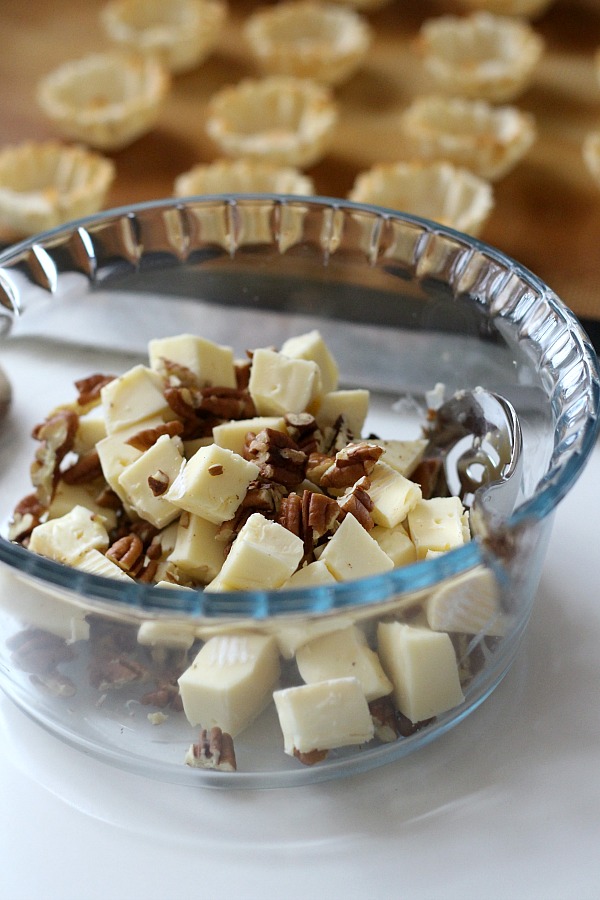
[[279, 119], [105, 100], [44, 185], [439, 191], [324, 41], [182, 33], [482, 55], [242, 176], [490, 140]]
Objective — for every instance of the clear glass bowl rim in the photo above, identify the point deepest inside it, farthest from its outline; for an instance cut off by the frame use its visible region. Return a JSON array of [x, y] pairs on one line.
[[367, 592]]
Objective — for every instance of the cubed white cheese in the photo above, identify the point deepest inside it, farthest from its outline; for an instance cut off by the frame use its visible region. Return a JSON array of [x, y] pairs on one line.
[[313, 574], [230, 682], [323, 715], [116, 454], [392, 494], [66, 496], [163, 462], [280, 385], [231, 435], [344, 654], [351, 404], [69, 537], [352, 553], [312, 346], [403, 456], [468, 604], [396, 543], [263, 556], [96, 563], [211, 363], [213, 483], [91, 428], [134, 396], [172, 635], [197, 550], [421, 665], [436, 524]]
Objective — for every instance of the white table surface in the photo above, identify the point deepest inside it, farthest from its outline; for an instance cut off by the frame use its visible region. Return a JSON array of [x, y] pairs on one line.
[[507, 805]]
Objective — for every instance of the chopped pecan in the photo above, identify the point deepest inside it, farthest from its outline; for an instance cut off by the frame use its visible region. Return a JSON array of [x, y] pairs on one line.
[[310, 757], [431, 477], [337, 436], [277, 457], [357, 502], [195, 424], [147, 571], [385, 719], [145, 531], [111, 638], [56, 436], [226, 402], [86, 469], [26, 515], [262, 496], [166, 694], [176, 374], [352, 463], [309, 516], [126, 552], [113, 673], [317, 464], [88, 389], [147, 437], [304, 431], [108, 499], [407, 727], [39, 652], [242, 374], [159, 482], [290, 514], [214, 750]]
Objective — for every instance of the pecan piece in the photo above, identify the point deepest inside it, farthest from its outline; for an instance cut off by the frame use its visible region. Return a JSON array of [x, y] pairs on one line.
[[166, 694], [226, 402], [176, 374], [147, 437], [352, 463], [304, 431], [214, 750], [26, 515], [39, 652], [86, 469], [88, 389], [385, 719], [310, 757], [126, 552], [159, 482], [277, 457], [357, 502], [56, 436], [195, 424], [309, 517], [113, 674]]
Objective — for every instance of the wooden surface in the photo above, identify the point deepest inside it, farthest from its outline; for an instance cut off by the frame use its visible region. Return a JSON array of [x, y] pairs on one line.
[[547, 211]]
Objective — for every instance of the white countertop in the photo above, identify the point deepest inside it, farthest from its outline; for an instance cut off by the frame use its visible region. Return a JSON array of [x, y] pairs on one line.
[[507, 805]]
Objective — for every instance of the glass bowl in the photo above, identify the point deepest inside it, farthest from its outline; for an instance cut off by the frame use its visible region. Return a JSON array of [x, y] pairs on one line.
[[404, 304]]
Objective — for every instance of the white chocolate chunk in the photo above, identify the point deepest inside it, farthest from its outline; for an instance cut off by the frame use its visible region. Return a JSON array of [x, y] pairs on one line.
[[352, 553], [396, 543], [263, 556], [436, 524], [155, 633], [134, 396], [211, 363], [323, 715], [163, 462], [68, 538], [344, 654], [230, 682], [392, 494], [231, 435], [468, 604], [403, 456], [197, 552], [280, 385], [213, 483], [312, 346], [351, 404], [96, 563], [66, 496], [422, 667], [313, 574]]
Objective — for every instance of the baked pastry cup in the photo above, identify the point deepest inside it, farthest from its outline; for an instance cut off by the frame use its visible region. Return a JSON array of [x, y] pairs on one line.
[[278, 119], [529, 9], [591, 154], [182, 33], [237, 176], [439, 191], [324, 41], [487, 139], [105, 100], [43, 185], [482, 55]]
